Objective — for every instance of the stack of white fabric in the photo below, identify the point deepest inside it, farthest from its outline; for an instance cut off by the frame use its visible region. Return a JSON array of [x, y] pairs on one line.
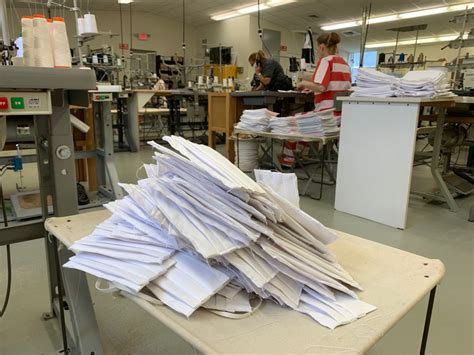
[[425, 83], [256, 120], [372, 83], [330, 123], [198, 232], [313, 123]]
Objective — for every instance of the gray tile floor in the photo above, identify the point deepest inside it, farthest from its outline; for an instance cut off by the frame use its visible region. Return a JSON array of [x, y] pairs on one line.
[[432, 231]]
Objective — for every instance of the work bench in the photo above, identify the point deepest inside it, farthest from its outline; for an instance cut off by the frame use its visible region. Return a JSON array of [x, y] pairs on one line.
[[272, 329]]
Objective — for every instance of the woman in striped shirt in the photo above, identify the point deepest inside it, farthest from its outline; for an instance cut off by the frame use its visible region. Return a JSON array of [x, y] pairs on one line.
[[332, 74]]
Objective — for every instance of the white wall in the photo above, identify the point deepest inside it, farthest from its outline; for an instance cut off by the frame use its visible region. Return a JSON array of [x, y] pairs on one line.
[[241, 33], [166, 35], [294, 41], [233, 33]]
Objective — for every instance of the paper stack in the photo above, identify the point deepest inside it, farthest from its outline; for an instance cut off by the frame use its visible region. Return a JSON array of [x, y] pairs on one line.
[[313, 123], [198, 232], [372, 83], [255, 120], [425, 83]]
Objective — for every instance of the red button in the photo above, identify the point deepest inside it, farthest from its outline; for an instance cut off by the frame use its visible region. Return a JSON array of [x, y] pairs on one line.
[[3, 103]]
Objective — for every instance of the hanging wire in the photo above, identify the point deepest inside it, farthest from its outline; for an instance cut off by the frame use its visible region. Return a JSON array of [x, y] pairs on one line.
[[11, 19], [121, 28], [184, 30], [131, 29], [29, 7], [88, 9]]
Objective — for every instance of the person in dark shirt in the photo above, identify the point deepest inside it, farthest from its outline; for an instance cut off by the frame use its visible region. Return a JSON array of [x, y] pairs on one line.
[[269, 73]]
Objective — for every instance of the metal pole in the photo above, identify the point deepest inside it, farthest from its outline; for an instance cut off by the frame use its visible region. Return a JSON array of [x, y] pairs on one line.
[[461, 43], [4, 22], [79, 42], [395, 51], [414, 51], [426, 329]]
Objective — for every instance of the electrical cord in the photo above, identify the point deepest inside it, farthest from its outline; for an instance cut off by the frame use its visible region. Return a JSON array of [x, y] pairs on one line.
[[9, 259]]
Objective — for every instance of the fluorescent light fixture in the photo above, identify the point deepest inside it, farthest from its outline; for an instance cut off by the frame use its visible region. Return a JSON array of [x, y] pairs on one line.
[[125, 1], [225, 16], [340, 26], [422, 13], [442, 38], [382, 19], [397, 17], [250, 9]]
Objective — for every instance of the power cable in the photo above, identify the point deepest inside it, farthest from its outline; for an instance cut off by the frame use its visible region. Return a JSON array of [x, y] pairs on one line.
[[9, 259]]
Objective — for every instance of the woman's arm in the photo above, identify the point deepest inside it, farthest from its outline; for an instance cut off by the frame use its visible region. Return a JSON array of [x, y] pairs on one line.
[[309, 86]]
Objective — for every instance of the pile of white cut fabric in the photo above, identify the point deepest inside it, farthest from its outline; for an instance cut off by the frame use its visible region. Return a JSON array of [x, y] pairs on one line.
[[373, 83], [198, 232], [312, 123], [424, 83], [255, 120]]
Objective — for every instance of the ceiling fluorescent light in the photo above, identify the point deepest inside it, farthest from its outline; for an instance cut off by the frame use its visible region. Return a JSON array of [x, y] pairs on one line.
[[442, 38], [273, 3], [422, 13], [340, 26], [383, 19], [401, 16], [250, 9], [225, 16], [125, 1]]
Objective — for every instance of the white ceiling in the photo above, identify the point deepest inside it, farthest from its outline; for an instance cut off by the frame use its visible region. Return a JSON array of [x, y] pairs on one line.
[[295, 16]]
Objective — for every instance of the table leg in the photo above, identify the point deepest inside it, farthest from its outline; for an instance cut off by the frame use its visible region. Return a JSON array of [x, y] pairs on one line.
[[426, 329], [238, 154], [435, 162]]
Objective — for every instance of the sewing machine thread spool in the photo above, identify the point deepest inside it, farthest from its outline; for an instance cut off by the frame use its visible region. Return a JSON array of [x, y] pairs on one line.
[[42, 43], [62, 54], [80, 26], [28, 41], [90, 24]]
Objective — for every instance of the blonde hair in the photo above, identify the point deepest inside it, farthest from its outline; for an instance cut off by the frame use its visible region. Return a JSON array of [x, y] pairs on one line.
[[255, 56]]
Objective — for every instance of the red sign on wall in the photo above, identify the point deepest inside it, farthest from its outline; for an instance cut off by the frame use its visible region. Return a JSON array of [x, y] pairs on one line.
[[142, 36], [283, 48], [123, 45]]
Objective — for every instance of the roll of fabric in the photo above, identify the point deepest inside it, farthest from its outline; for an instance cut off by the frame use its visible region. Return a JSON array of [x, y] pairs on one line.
[[90, 24], [247, 154], [80, 26], [62, 53], [27, 31], [43, 52]]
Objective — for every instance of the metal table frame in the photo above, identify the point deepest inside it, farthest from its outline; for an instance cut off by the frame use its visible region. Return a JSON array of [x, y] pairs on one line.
[[323, 163], [57, 178]]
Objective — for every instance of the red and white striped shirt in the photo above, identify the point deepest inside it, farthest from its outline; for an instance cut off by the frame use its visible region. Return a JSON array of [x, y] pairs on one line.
[[334, 74]]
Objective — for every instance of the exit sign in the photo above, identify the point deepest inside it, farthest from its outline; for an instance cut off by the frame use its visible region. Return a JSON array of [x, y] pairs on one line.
[[283, 48], [123, 45], [142, 36]]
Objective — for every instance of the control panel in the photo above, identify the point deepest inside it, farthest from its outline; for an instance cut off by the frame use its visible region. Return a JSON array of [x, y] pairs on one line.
[[101, 96], [15, 103]]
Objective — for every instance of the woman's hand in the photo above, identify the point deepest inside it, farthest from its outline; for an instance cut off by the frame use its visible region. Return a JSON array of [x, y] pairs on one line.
[[302, 87]]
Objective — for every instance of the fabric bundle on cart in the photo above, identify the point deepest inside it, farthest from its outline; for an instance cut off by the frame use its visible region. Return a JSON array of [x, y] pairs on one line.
[[424, 83], [313, 123], [198, 232], [373, 83], [255, 120]]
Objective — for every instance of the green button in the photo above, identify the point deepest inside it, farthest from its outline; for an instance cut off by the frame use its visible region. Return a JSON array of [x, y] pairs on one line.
[[18, 103]]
